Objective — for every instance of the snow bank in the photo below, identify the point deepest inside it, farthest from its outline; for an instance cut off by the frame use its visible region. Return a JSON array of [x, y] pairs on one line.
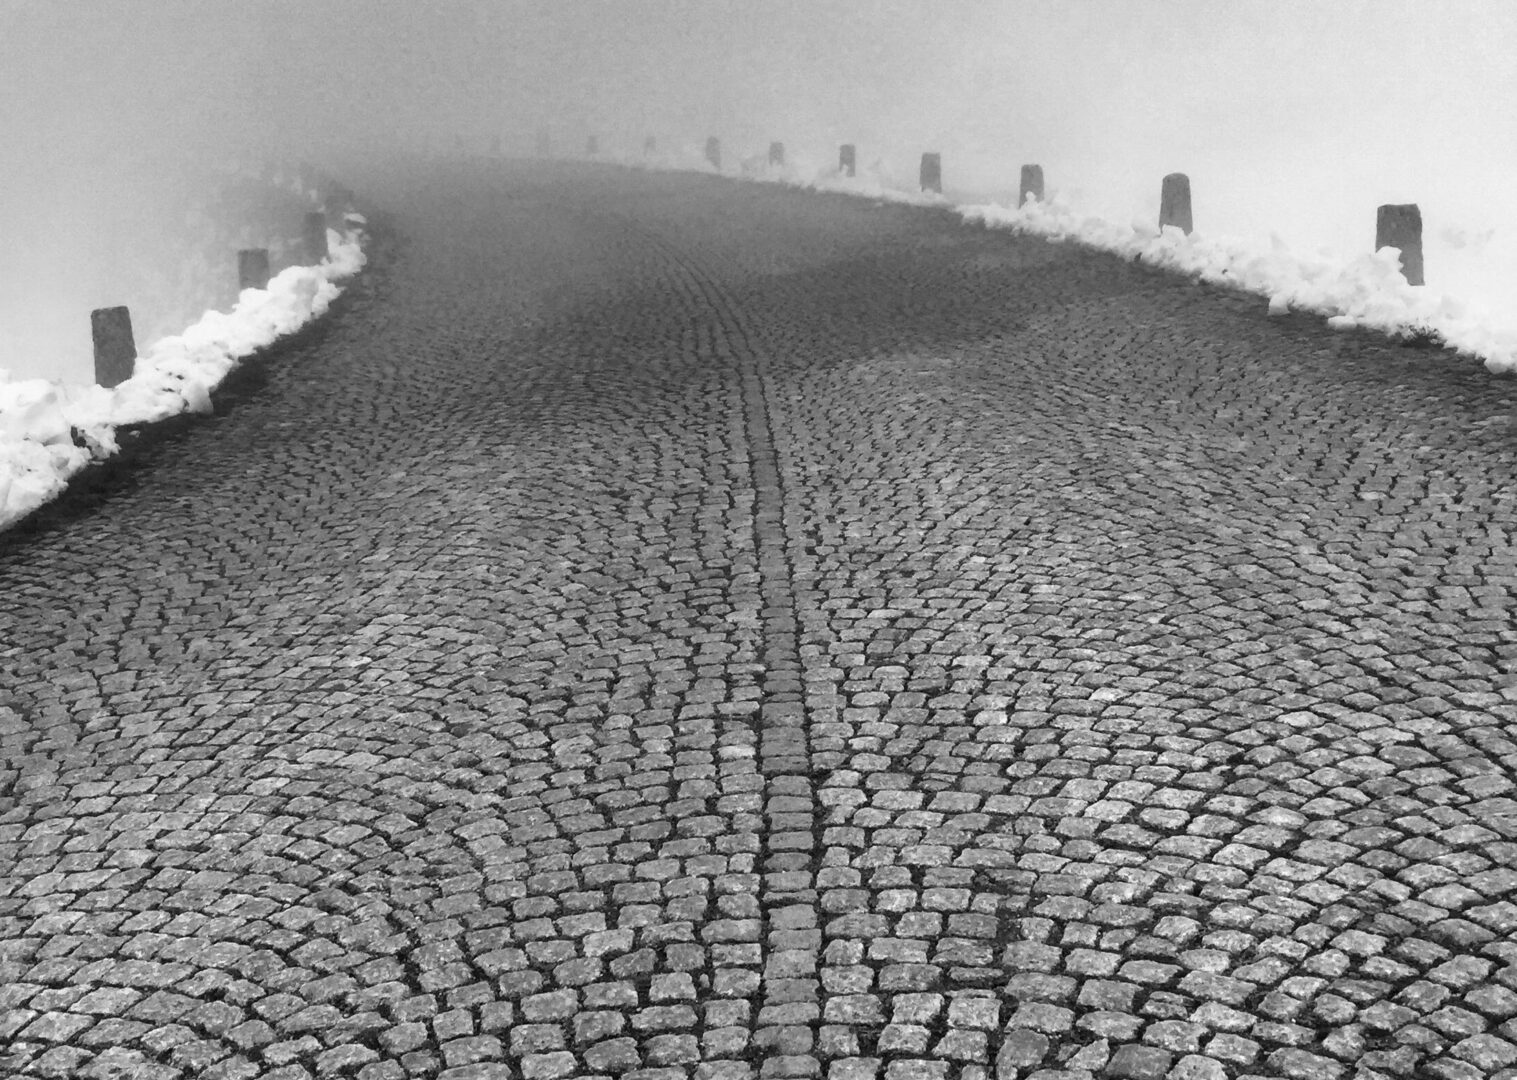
[[49, 431], [1365, 291]]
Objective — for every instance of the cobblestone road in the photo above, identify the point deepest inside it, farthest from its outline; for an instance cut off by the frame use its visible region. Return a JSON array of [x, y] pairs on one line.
[[665, 628]]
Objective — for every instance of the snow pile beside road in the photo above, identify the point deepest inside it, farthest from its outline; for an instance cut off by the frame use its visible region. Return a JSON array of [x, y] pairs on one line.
[[870, 183], [49, 431], [1364, 291]]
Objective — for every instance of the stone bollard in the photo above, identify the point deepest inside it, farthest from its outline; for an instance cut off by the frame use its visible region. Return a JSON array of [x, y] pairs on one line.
[[932, 173], [1032, 184], [650, 146], [846, 159], [1399, 225], [544, 144], [115, 351], [1174, 202], [315, 236], [714, 152], [776, 153], [592, 146], [253, 269]]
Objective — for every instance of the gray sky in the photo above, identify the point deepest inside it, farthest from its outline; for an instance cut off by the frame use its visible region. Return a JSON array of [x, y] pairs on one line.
[[313, 73], [103, 102]]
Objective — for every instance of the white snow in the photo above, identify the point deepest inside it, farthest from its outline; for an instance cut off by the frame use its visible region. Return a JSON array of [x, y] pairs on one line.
[[42, 423], [40, 419], [1365, 290]]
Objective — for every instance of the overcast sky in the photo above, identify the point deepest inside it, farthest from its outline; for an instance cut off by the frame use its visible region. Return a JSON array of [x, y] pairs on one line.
[[1361, 101], [303, 70]]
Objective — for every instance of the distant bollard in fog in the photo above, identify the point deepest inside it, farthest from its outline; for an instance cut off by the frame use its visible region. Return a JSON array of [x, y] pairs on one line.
[[776, 153], [650, 146], [592, 146], [253, 269], [544, 144], [115, 350], [846, 159], [932, 173], [714, 152], [1032, 184], [1399, 225], [315, 236], [1174, 202]]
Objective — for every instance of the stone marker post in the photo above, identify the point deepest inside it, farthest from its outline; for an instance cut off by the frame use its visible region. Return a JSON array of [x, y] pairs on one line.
[[253, 269], [115, 351], [1399, 225], [846, 159], [592, 146], [1174, 202], [776, 153], [1032, 184], [932, 173], [315, 236], [714, 152]]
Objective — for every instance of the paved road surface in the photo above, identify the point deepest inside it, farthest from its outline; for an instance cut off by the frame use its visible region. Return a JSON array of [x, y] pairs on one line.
[[668, 628]]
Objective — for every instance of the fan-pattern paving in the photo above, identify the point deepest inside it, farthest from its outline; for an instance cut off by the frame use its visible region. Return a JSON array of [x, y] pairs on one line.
[[663, 628]]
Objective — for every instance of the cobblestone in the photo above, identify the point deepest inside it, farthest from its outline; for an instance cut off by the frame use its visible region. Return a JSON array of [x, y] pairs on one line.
[[668, 629]]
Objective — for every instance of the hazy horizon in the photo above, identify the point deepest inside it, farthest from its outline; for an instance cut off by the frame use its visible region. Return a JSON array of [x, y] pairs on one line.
[[1292, 117]]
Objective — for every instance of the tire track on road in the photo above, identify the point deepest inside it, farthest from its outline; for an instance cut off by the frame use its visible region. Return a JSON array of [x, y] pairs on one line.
[[789, 1011]]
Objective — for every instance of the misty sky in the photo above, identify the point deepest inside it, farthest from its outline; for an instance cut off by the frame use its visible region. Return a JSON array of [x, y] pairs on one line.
[[1337, 103]]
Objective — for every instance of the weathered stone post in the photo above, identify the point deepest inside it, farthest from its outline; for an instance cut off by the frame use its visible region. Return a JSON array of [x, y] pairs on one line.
[[714, 152], [650, 146], [592, 146], [115, 350], [1174, 202], [776, 153], [253, 269], [1399, 225], [315, 236], [544, 144], [1032, 184], [932, 173], [846, 159]]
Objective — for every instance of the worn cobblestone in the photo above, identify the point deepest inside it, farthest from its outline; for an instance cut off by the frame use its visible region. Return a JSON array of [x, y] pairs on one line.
[[665, 629]]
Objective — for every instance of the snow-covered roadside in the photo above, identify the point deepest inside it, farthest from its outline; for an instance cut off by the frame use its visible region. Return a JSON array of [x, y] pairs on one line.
[[49, 431], [1365, 291]]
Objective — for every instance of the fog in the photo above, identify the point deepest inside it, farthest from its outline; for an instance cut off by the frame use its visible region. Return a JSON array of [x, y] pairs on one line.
[[1291, 117]]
